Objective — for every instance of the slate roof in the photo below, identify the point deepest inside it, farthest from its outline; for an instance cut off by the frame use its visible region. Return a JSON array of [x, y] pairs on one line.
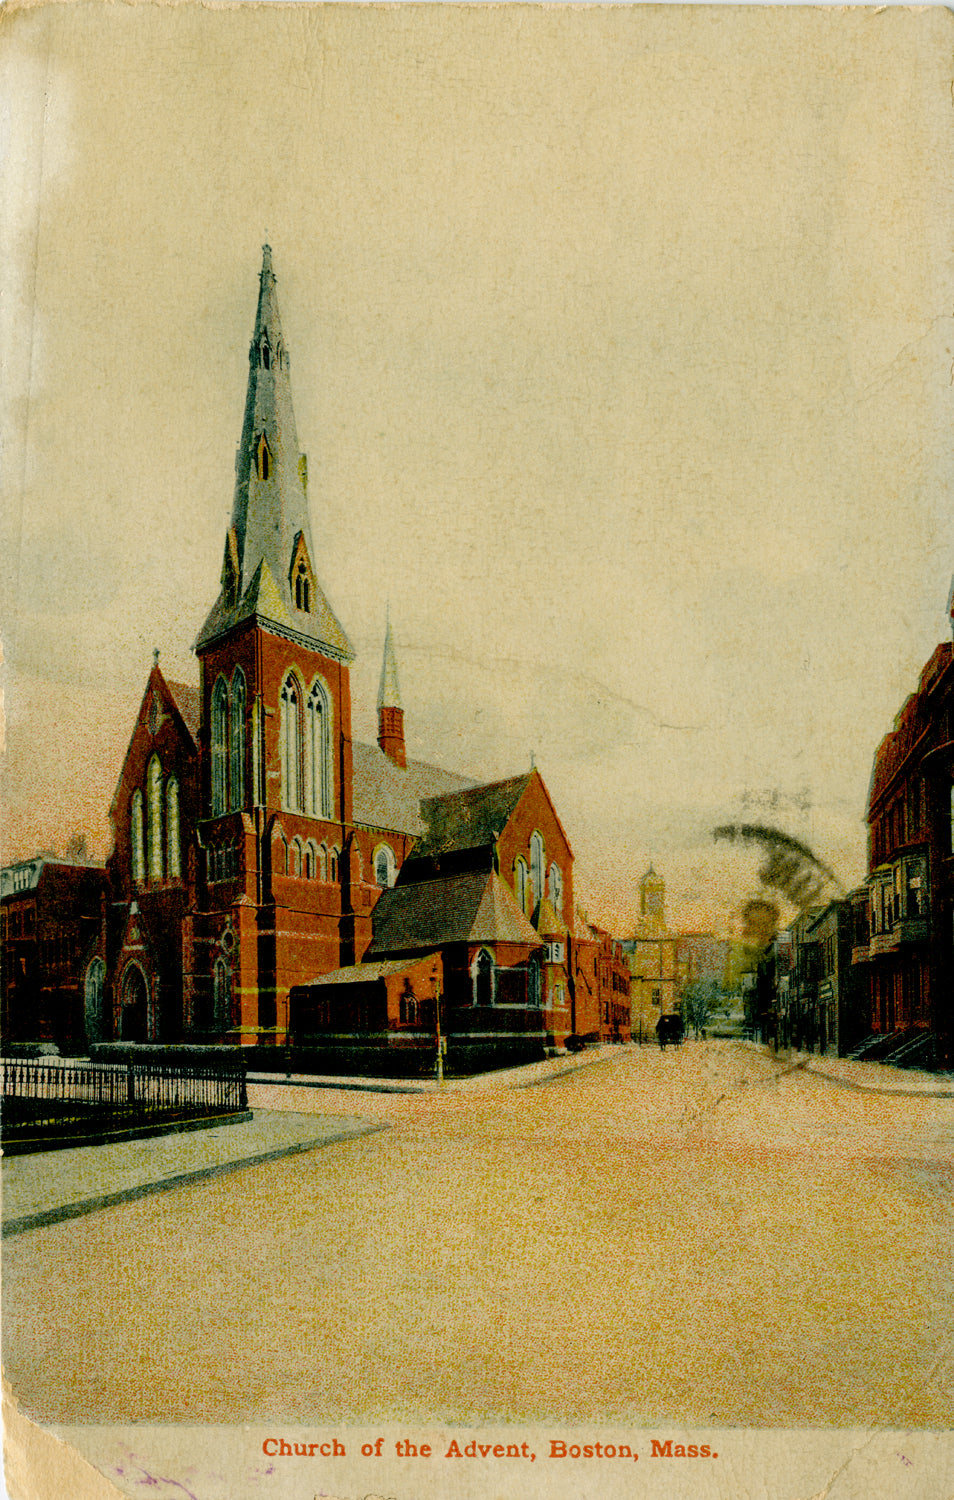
[[389, 796], [469, 819], [474, 907], [187, 697], [367, 973]]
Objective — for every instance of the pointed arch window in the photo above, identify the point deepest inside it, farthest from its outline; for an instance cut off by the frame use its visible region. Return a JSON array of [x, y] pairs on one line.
[[237, 740], [302, 588], [384, 865], [295, 852], [154, 819], [322, 863], [263, 457], [291, 744], [556, 888], [484, 974], [136, 839], [537, 867], [334, 859], [173, 849], [318, 751], [266, 354], [521, 881], [310, 861], [220, 746]]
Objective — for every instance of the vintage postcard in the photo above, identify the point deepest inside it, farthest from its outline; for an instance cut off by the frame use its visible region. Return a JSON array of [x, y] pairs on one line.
[[477, 874]]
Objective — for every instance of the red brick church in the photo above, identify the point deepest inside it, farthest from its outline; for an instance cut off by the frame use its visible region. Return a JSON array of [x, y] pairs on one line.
[[259, 848]]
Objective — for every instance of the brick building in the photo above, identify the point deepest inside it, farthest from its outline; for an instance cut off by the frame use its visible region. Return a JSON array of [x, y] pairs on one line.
[[904, 922], [51, 913]]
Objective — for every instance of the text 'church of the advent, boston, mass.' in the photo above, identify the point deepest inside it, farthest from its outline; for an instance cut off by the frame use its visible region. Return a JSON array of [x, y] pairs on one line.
[[275, 883]]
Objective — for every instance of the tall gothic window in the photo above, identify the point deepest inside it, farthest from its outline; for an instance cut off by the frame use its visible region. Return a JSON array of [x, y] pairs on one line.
[[136, 839], [154, 819], [302, 588], [384, 865], [318, 752], [173, 851], [291, 738], [520, 882], [237, 741], [536, 867], [556, 888], [220, 747]]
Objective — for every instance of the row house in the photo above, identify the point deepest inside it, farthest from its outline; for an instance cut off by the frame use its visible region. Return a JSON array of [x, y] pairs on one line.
[[904, 917]]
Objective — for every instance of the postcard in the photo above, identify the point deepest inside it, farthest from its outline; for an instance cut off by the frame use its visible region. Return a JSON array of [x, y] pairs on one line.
[[477, 790]]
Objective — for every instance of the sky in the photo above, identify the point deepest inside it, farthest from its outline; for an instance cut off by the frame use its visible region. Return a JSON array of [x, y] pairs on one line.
[[622, 353]]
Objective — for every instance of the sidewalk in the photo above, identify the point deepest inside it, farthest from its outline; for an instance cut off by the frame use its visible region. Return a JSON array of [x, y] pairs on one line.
[[524, 1076], [49, 1186], [874, 1077]]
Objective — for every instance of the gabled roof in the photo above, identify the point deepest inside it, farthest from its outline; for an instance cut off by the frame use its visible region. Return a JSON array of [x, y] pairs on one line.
[[475, 907], [182, 698], [389, 796], [187, 697], [469, 819]]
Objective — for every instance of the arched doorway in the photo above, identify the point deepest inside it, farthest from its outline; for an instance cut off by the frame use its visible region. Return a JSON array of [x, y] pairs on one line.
[[134, 1022]]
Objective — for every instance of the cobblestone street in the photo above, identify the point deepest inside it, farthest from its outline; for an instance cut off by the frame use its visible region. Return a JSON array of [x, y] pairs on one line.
[[705, 1235]]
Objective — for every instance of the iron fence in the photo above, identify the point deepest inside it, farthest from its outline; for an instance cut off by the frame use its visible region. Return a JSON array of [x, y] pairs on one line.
[[60, 1102]]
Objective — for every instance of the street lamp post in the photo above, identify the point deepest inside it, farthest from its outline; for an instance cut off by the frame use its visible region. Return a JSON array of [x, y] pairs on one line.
[[437, 1028]]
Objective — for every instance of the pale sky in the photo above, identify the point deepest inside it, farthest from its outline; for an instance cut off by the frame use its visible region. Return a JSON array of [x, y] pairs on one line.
[[622, 355]]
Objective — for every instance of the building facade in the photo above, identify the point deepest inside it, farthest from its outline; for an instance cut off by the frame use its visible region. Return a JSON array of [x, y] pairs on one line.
[[904, 923]]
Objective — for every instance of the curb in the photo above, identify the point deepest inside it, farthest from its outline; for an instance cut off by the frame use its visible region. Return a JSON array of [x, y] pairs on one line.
[[165, 1184]]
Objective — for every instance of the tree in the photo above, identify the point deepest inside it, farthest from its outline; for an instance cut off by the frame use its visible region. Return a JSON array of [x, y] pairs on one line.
[[699, 1000], [77, 849]]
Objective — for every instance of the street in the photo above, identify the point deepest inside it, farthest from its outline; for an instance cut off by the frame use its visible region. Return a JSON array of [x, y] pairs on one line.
[[704, 1235]]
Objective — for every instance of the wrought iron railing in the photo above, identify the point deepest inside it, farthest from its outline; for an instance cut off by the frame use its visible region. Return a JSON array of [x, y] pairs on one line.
[[65, 1102]]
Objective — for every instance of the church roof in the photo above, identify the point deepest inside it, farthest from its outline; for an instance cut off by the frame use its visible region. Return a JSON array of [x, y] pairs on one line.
[[387, 795], [187, 697], [474, 907], [470, 818]]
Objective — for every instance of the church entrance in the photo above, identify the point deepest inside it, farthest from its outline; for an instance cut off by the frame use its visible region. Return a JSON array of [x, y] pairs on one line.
[[134, 1021]]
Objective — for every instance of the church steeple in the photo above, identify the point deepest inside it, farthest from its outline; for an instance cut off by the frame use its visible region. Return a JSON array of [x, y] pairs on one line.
[[268, 569], [390, 711]]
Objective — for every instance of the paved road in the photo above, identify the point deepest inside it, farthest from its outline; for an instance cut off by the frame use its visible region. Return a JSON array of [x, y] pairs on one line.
[[705, 1235]]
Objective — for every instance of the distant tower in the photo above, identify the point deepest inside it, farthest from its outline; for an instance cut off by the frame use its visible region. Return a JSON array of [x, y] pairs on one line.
[[652, 901], [390, 712]]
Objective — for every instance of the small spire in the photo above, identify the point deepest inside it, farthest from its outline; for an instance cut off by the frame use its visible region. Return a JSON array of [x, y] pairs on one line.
[[390, 712], [389, 691]]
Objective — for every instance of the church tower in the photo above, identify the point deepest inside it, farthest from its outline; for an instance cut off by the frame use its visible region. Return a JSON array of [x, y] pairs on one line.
[[276, 753]]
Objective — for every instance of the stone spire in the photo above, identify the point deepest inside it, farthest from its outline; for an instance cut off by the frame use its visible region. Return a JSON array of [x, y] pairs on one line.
[[390, 711], [268, 568]]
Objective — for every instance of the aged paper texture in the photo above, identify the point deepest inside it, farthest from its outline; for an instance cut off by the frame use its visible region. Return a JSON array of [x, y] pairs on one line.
[[622, 353]]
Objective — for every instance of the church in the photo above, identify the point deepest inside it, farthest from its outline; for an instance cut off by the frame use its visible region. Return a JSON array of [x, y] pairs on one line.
[[275, 883]]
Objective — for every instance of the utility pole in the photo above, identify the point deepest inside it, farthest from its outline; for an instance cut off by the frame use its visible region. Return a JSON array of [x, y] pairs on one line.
[[440, 1039]]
